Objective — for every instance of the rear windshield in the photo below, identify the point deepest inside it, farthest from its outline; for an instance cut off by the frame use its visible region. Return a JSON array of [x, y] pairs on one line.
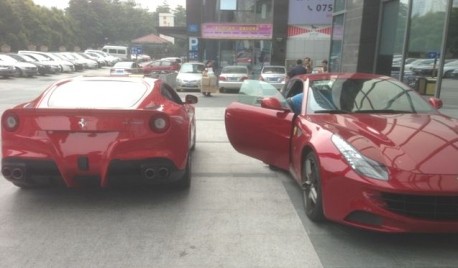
[[97, 94], [192, 68], [234, 70], [124, 64], [274, 70]]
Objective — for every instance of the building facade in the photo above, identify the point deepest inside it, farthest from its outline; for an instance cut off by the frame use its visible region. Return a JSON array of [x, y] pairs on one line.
[[377, 36], [409, 40], [244, 32]]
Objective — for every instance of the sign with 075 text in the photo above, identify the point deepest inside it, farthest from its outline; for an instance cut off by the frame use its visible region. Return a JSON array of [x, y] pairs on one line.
[[307, 12]]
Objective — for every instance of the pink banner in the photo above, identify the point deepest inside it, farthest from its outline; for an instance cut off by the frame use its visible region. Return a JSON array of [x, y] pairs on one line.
[[236, 31]]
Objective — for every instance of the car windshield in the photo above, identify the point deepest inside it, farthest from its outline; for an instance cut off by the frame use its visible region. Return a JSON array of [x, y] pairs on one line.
[[192, 68], [93, 94], [234, 70], [274, 70], [364, 96], [123, 65], [39, 57]]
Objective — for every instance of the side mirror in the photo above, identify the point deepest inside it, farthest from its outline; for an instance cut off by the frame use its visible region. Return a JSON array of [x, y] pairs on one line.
[[191, 99], [272, 103], [435, 102]]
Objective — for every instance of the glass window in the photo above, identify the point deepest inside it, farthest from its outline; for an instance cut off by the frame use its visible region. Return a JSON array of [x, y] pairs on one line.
[[192, 68], [170, 94], [426, 29], [246, 11], [451, 55], [339, 5], [252, 91], [93, 94], [336, 43], [391, 40], [365, 95]]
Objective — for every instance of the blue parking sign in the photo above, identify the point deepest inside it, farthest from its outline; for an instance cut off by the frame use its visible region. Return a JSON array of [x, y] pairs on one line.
[[136, 50], [433, 55]]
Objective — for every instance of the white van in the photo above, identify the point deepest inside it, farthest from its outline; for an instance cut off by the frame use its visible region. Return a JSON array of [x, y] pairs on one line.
[[121, 52]]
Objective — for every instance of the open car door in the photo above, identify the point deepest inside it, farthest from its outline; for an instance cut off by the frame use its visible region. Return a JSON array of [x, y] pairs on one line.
[[259, 124]]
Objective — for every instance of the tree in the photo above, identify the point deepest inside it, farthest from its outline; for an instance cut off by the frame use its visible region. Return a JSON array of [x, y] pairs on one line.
[[85, 23]]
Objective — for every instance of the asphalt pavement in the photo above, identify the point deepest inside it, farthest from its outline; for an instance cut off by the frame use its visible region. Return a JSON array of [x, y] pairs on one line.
[[238, 213]]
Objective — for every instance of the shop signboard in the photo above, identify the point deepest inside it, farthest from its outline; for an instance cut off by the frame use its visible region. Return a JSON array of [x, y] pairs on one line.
[[236, 31]]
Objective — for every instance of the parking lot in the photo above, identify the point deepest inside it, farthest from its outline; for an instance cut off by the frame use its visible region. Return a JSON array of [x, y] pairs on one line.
[[237, 213]]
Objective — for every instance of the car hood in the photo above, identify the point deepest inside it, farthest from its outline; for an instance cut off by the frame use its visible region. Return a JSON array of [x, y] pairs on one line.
[[419, 143]]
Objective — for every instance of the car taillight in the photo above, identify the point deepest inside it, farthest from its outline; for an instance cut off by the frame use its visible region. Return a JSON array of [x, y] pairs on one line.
[[10, 121], [159, 123], [243, 78], [222, 78]]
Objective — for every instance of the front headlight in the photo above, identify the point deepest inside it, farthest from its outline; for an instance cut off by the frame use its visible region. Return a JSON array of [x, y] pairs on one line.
[[358, 162]]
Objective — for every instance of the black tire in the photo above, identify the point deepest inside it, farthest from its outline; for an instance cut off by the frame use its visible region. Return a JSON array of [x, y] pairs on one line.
[[311, 188], [185, 182], [193, 145], [448, 74], [222, 90]]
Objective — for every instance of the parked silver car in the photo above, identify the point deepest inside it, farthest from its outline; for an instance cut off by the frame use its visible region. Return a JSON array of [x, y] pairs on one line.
[[189, 76], [6, 69], [274, 75], [232, 77], [23, 69]]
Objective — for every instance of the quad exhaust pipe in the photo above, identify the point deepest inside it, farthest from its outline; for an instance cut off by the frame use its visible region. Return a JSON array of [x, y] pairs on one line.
[[13, 173], [156, 173]]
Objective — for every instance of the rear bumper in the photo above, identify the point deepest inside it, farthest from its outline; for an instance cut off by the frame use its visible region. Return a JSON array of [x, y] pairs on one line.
[[185, 88], [229, 85], [40, 172]]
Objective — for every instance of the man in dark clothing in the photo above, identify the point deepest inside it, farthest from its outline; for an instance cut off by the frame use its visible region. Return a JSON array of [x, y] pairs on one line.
[[298, 69]]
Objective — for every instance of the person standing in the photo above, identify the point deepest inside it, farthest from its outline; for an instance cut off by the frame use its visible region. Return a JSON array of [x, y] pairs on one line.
[[298, 69], [308, 65], [324, 64]]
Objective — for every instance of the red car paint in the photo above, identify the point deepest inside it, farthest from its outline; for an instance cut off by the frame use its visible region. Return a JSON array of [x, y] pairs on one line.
[[417, 149], [142, 132], [160, 66]]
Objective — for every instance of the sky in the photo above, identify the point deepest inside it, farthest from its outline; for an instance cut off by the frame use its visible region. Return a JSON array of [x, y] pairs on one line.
[[149, 4]]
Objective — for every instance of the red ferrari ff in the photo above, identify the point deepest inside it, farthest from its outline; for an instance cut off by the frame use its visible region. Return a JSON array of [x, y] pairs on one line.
[[366, 150], [100, 130]]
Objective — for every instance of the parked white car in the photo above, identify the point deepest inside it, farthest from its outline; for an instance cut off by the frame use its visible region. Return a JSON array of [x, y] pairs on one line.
[[6, 69], [23, 69], [189, 76], [232, 77], [65, 66], [274, 75]]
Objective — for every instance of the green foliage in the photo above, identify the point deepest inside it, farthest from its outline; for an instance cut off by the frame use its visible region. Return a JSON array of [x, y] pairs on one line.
[[452, 41], [426, 33], [85, 23]]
